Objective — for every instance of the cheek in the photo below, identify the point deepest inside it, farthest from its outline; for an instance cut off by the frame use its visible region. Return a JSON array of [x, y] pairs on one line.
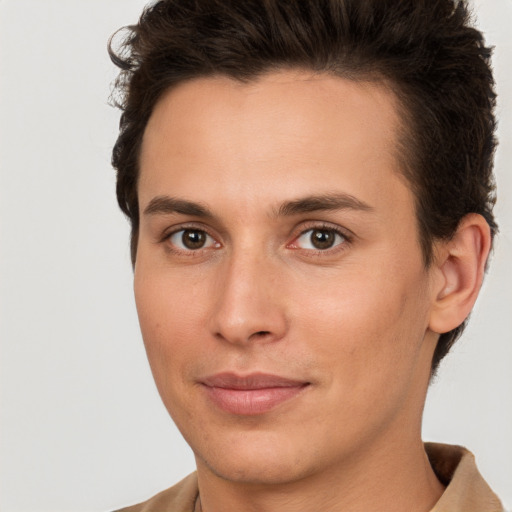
[[365, 324], [169, 315], [367, 339], [168, 302]]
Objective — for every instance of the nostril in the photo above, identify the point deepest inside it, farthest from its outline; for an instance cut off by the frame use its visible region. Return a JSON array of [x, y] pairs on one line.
[[254, 335], [261, 334]]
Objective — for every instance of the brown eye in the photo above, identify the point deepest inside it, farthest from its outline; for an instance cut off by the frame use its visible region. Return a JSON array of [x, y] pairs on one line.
[[191, 239], [320, 239]]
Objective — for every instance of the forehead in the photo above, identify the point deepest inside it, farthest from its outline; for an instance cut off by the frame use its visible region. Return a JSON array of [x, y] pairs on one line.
[[305, 130]]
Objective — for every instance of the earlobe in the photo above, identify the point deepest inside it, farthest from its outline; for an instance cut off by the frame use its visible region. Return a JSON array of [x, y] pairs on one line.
[[460, 269]]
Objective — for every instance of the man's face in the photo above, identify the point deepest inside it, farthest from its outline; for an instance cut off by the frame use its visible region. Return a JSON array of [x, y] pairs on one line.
[[279, 279]]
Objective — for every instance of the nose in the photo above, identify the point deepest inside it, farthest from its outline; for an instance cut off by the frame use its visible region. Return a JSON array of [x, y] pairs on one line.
[[249, 303]]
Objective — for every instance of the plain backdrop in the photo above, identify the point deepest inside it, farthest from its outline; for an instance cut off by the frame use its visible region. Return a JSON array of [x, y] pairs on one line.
[[82, 426]]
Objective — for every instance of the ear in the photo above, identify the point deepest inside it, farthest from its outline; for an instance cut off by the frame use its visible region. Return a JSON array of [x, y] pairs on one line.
[[459, 272]]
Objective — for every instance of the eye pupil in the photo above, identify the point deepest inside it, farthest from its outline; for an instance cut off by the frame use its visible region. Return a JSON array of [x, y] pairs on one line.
[[193, 239], [322, 238]]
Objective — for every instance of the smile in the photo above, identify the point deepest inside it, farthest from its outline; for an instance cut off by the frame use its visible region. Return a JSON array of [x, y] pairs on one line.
[[252, 394]]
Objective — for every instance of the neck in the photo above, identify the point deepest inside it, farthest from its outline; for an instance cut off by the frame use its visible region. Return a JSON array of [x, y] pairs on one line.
[[396, 479]]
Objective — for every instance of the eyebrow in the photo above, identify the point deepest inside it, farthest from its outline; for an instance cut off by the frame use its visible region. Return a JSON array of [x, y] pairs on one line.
[[323, 202], [166, 205]]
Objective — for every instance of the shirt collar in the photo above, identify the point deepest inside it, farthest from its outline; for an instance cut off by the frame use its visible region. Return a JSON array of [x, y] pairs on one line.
[[466, 490]]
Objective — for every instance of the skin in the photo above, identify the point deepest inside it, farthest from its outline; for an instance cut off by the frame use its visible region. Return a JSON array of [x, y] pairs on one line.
[[358, 321]]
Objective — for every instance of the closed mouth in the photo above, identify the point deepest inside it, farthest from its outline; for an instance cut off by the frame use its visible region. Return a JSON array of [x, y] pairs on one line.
[[251, 394]]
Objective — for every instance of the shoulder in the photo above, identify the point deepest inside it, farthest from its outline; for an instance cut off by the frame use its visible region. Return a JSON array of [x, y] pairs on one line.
[[178, 498]]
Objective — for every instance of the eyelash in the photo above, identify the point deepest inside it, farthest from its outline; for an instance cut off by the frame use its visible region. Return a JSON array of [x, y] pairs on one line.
[[347, 239]]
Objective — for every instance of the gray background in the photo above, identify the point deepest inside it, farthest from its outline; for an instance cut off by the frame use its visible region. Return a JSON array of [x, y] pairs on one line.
[[82, 426]]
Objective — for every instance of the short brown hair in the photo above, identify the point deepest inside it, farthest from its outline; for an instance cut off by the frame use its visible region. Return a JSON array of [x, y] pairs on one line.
[[426, 50]]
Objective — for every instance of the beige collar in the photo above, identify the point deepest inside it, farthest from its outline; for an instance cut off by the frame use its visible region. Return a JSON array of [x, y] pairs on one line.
[[466, 490]]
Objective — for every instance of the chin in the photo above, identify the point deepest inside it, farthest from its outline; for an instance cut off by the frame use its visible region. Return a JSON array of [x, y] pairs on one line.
[[256, 458], [256, 471]]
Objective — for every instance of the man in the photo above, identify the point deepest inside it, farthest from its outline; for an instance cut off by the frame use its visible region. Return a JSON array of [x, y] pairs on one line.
[[310, 190]]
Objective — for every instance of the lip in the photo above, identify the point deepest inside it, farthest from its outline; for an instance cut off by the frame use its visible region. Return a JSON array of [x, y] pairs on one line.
[[252, 394]]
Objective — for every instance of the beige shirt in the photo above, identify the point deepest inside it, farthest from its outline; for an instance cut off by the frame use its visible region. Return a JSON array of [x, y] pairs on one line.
[[466, 490]]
